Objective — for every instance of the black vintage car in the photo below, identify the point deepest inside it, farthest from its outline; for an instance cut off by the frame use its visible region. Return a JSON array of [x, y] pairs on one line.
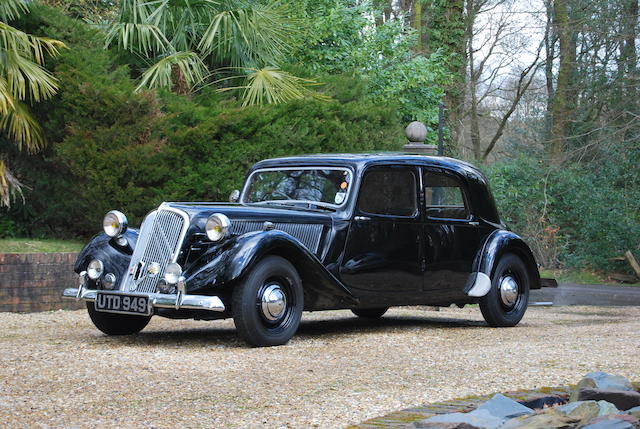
[[352, 231]]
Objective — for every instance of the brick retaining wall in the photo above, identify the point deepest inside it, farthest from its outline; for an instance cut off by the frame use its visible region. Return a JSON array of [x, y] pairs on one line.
[[34, 281]]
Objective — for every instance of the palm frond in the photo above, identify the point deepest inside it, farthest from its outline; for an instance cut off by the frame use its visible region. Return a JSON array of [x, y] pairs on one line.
[[249, 35], [162, 73], [26, 79], [9, 186], [6, 98], [12, 9], [27, 45], [23, 128], [271, 85], [130, 36]]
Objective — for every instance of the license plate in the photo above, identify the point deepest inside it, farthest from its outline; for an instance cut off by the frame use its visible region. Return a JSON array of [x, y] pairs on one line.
[[122, 303]]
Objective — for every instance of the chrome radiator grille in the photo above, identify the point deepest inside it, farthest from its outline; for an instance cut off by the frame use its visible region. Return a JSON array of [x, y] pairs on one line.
[[159, 242], [307, 234]]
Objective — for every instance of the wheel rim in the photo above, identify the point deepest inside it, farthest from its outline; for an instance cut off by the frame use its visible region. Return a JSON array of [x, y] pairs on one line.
[[273, 302], [509, 291]]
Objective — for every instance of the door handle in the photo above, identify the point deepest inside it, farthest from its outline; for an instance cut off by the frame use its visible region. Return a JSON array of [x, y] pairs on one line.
[[474, 223], [360, 218]]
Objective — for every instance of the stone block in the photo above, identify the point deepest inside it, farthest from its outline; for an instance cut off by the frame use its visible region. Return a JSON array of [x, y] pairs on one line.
[[622, 399]]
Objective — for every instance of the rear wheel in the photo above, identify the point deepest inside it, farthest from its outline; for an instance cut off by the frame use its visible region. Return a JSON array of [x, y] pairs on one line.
[[267, 305], [117, 324], [507, 300], [370, 313]]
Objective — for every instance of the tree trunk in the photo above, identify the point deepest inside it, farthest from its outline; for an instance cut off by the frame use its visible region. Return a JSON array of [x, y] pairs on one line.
[[629, 60], [550, 51], [564, 96], [447, 19], [473, 84], [180, 85], [417, 24]]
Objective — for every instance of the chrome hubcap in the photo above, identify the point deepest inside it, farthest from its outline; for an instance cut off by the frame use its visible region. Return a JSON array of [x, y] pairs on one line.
[[274, 302], [508, 291]]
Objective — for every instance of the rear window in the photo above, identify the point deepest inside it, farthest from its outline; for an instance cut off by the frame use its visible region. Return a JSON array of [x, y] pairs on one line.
[[444, 197]]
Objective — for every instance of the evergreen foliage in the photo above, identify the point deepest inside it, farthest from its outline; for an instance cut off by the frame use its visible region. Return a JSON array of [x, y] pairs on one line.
[[577, 216]]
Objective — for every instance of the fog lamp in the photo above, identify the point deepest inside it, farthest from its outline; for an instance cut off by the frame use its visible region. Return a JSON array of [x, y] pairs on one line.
[[95, 269], [172, 273], [109, 281]]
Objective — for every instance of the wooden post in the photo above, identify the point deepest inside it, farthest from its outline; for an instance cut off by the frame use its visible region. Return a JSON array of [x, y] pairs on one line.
[[632, 261]]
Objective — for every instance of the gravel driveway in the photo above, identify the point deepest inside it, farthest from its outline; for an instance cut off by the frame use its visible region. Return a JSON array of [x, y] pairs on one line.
[[58, 371]]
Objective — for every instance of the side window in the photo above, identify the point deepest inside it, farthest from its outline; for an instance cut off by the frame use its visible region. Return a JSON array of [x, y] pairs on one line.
[[388, 191], [444, 197]]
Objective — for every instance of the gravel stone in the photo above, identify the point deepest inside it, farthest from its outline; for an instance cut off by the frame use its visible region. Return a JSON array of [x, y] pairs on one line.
[[59, 371]]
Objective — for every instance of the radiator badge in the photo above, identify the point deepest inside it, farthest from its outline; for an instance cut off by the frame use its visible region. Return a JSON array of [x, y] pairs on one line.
[[154, 269]]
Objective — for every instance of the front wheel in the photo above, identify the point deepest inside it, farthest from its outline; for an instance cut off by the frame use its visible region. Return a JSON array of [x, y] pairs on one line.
[[267, 305], [117, 324], [507, 300]]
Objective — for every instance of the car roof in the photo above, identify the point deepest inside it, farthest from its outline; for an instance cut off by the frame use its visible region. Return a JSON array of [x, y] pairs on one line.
[[361, 160]]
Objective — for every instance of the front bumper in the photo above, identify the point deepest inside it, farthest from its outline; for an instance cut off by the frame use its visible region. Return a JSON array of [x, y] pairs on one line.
[[158, 300]]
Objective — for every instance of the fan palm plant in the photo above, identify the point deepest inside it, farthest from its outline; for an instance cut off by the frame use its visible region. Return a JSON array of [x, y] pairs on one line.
[[23, 79], [186, 41]]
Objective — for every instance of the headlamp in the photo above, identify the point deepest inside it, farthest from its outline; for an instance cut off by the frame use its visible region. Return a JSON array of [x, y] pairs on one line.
[[217, 226], [115, 223], [95, 269]]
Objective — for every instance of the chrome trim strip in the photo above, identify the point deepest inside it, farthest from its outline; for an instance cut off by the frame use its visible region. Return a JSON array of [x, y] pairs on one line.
[[159, 300], [185, 227], [143, 239]]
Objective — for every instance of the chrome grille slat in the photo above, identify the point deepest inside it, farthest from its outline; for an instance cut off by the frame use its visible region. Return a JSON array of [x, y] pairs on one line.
[[160, 240], [307, 234]]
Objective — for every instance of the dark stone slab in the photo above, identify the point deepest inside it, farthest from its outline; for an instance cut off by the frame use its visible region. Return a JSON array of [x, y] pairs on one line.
[[623, 400]]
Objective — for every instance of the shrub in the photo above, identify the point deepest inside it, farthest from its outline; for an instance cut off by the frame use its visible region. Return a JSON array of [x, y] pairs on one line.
[[578, 215]]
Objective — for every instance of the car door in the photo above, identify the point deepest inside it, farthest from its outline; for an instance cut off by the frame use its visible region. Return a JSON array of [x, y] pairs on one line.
[[451, 233], [383, 252]]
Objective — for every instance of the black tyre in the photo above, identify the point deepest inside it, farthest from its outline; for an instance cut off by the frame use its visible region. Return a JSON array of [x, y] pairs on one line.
[[370, 313], [267, 305], [507, 301], [117, 324]]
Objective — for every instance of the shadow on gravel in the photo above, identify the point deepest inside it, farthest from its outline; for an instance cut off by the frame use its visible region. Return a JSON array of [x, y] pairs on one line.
[[212, 335], [355, 325]]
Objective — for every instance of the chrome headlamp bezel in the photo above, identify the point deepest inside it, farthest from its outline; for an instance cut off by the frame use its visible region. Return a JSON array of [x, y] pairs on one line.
[[95, 269], [217, 227], [115, 223], [172, 273]]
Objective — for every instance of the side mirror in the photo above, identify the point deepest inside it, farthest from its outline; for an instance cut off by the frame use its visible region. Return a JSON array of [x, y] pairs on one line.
[[234, 197]]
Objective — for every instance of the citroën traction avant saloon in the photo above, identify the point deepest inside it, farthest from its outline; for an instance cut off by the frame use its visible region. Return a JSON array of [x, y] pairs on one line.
[[361, 232]]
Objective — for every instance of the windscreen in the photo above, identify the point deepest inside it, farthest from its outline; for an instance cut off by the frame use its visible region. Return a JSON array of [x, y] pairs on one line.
[[324, 186]]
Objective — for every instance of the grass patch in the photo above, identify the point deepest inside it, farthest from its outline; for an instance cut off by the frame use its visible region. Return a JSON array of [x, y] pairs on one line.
[[29, 245], [581, 277]]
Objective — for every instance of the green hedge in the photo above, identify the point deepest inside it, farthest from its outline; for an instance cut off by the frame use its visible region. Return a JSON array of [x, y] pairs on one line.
[[111, 148], [578, 215]]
